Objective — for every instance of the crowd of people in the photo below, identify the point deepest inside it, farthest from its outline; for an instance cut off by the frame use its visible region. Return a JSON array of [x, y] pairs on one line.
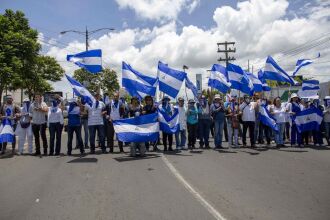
[[226, 120]]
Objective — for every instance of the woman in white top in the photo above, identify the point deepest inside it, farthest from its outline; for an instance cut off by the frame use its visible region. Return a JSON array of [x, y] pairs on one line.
[[55, 121], [279, 113]]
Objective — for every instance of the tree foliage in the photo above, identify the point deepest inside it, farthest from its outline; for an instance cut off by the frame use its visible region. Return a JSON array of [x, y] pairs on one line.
[[106, 80]]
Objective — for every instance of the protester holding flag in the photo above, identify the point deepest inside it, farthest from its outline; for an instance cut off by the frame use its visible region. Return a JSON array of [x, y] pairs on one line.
[[135, 110], [180, 135], [317, 134], [24, 128], [192, 123], [55, 121], [204, 121], [326, 118], [248, 111], [218, 114], [279, 113], [149, 108], [232, 112], [264, 130], [96, 123], [9, 111], [294, 108], [114, 111], [167, 109], [74, 126], [305, 105]]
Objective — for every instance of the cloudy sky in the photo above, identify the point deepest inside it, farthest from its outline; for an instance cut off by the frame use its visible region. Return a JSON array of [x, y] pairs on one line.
[[184, 32]]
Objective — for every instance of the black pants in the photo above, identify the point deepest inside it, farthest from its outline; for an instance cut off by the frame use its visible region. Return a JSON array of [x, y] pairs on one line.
[[110, 137], [55, 130], [225, 130], [305, 137], [80, 144], [4, 145], [192, 134], [40, 130], [248, 125], [169, 138], [264, 131]]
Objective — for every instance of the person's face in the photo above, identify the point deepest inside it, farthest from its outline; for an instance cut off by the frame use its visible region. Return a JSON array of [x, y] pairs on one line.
[[216, 100], [97, 97], [149, 101], [278, 102], [9, 101], [134, 102], [116, 97], [181, 103], [295, 99], [37, 98]]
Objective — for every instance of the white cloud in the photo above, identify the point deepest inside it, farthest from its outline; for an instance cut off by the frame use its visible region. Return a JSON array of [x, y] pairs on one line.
[[259, 28], [159, 10]]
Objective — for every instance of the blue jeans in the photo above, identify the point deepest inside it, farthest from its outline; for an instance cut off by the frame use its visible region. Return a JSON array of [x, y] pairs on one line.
[[218, 130], [180, 139], [204, 131], [84, 124], [100, 132], [279, 134]]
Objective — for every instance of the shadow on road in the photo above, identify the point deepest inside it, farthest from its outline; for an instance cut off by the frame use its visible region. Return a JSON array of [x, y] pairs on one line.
[[83, 160], [147, 156], [293, 151]]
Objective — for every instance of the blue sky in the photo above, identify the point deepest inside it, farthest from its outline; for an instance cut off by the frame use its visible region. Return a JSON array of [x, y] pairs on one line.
[[182, 31]]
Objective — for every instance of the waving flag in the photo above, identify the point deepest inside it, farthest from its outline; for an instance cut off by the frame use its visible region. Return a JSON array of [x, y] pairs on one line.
[[238, 79], [265, 86], [257, 84], [192, 87], [136, 83], [169, 124], [310, 89], [273, 71], [301, 63], [80, 90], [170, 80], [266, 118], [90, 60], [139, 129], [308, 120], [6, 129], [219, 78]]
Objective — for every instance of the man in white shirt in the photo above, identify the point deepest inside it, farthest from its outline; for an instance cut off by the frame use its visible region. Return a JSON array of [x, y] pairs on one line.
[[96, 123], [248, 112], [180, 136]]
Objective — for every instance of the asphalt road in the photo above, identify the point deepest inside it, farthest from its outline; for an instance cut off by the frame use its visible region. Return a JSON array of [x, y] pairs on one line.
[[288, 183]]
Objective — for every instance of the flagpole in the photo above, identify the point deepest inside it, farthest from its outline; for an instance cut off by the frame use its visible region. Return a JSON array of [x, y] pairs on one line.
[[185, 86]]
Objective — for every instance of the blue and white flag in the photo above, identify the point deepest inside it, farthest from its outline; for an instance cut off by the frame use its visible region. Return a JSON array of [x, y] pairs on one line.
[[192, 87], [219, 78], [139, 129], [169, 124], [90, 60], [136, 83], [257, 84], [239, 80], [266, 118], [310, 89], [310, 85], [170, 80], [80, 91], [273, 71], [265, 86], [308, 120], [301, 63], [6, 129]]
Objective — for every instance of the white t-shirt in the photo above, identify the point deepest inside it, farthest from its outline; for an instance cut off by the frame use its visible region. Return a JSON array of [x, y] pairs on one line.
[[279, 114], [55, 115], [182, 118], [95, 116], [249, 112]]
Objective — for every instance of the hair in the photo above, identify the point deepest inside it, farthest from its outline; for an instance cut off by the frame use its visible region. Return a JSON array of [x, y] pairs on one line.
[[274, 102]]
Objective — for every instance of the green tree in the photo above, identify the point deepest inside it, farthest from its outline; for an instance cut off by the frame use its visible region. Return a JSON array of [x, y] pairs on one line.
[[37, 75], [106, 80]]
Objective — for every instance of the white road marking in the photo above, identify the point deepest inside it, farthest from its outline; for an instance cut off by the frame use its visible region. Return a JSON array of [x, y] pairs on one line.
[[194, 192]]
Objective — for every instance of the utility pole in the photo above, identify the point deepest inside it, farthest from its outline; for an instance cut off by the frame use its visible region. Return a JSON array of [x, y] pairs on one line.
[[226, 51]]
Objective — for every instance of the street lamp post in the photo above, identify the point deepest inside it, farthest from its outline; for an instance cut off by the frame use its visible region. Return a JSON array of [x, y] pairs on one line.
[[87, 33]]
